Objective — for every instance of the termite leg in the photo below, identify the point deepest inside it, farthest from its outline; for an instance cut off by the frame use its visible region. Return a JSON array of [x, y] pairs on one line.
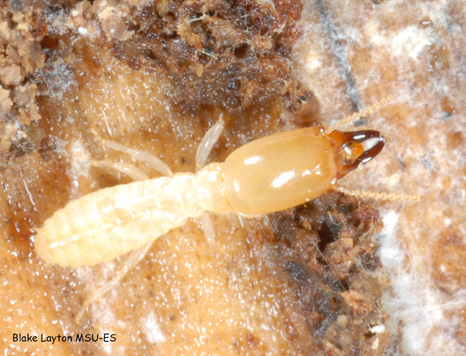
[[203, 151], [136, 174], [128, 169], [141, 155], [135, 256], [208, 142], [207, 228], [133, 260]]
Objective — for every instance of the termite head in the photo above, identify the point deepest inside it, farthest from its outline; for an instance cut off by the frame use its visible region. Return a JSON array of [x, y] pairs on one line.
[[355, 148]]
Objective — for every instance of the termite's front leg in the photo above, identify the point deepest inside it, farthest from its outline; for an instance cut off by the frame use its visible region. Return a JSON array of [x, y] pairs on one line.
[[203, 151]]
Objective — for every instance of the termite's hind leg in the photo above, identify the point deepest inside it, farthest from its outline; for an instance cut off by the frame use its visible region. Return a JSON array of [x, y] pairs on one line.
[[133, 260], [135, 256]]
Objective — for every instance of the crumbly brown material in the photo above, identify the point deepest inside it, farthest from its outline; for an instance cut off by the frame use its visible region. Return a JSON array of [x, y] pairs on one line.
[[22, 26], [217, 55], [329, 253]]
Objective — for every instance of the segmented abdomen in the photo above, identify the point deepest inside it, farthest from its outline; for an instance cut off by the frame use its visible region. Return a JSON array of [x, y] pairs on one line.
[[111, 222]]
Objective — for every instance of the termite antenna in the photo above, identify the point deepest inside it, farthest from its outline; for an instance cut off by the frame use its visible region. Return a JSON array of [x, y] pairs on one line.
[[378, 196], [357, 115]]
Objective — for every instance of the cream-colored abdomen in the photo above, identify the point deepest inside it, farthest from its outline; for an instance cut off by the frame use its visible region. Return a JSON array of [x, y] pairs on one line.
[[111, 222]]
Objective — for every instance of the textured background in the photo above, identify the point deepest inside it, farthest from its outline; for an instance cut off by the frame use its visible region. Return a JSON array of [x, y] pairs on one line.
[[352, 53]]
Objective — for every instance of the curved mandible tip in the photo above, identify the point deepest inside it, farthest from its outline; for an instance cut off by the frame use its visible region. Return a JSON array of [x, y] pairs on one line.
[[360, 137]]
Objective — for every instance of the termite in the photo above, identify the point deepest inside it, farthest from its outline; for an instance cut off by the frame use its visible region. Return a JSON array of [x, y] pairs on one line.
[[270, 174]]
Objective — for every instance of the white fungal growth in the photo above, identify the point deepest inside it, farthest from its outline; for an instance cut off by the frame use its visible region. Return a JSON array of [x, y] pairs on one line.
[[412, 302], [411, 41], [151, 328]]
